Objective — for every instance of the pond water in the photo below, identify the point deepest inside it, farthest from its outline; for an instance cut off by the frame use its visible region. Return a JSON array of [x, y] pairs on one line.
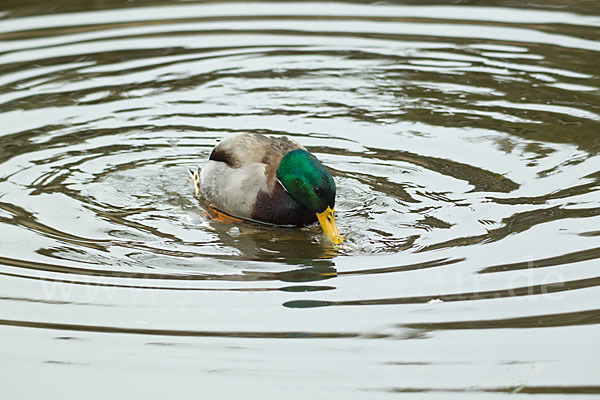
[[464, 142]]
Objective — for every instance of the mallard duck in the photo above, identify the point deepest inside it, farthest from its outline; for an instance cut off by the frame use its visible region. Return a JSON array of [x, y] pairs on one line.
[[273, 180]]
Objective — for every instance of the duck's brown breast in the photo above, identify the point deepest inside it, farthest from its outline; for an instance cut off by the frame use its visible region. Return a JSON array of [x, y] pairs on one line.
[[278, 207]]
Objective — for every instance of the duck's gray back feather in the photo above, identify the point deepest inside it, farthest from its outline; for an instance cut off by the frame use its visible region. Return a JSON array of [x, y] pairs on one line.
[[241, 167]]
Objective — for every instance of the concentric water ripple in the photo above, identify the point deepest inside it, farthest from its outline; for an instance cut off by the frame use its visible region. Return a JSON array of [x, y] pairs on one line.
[[464, 144]]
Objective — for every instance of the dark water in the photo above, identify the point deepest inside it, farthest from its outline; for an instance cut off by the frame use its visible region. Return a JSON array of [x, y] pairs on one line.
[[464, 141]]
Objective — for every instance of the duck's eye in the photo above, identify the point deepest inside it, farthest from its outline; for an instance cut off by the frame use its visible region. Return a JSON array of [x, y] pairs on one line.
[[317, 191]]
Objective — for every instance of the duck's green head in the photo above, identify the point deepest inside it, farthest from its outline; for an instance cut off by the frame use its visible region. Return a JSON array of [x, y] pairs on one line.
[[310, 184]]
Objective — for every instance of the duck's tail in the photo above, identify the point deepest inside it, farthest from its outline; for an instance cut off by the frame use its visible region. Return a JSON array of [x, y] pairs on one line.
[[195, 175]]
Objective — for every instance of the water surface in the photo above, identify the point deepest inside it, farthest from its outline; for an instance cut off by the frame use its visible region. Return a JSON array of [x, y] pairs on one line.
[[464, 143]]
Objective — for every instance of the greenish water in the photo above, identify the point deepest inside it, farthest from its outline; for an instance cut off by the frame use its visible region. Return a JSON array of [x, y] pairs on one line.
[[464, 142]]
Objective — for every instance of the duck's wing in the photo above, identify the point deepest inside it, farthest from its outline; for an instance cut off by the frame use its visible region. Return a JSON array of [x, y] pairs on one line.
[[241, 167], [246, 148]]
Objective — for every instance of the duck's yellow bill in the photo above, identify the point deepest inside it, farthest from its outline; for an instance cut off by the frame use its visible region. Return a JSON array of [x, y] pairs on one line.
[[327, 221]]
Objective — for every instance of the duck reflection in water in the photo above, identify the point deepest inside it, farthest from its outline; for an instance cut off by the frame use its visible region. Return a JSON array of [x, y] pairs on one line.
[[259, 242]]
